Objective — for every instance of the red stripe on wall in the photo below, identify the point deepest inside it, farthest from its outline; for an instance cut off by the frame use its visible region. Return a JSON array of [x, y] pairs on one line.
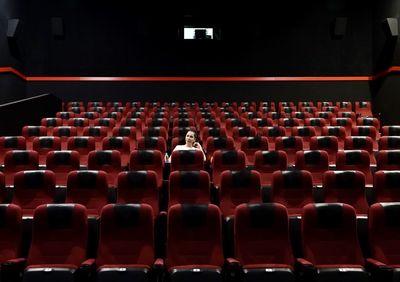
[[203, 78]]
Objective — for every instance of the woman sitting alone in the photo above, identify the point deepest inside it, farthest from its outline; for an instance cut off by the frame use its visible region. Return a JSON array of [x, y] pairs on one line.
[[190, 144]]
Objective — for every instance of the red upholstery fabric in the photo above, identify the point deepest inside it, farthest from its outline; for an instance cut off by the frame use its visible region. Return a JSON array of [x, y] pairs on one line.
[[148, 160], [61, 163], [10, 231], [33, 188], [138, 187], [126, 236], [226, 160], [108, 161], [238, 187], [189, 187]]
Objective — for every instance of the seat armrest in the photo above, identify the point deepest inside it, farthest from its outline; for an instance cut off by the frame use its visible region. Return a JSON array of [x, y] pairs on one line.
[[12, 269], [158, 270], [86, 271], [305, 270], [378, 270], [234, 271]]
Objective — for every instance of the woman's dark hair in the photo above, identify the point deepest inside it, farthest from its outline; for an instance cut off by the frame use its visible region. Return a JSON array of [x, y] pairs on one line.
[[196, 136]]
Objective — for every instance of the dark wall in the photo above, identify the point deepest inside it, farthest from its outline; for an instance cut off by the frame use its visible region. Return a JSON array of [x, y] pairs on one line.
[[11, 88], [278, 38], [386, 52], [204, 91], [11, 50]]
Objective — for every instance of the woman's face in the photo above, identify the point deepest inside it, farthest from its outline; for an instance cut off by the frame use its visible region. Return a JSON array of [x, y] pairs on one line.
[[190, 138]]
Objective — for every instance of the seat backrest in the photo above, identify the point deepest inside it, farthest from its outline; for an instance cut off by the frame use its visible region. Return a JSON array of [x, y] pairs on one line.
[[65, 226], [218, 143], [187, 160], [152, 143], [237, 187], [383, 232], [10, 232], [138, 187], [89, 188], [261, 234], [18, 160], [387, 186], [359, 143], [33, 188], [390, 130], [329, 235], [226, 160], [293, 189], [346, 187], [148, 160], [388, 160], [126, 235], [194, 236], [389, 143], [189, 187]]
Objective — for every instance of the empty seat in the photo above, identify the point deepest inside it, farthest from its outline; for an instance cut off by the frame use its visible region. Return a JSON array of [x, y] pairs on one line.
[[389, 143], [383, 231], [305, 132], [58, 248], [314, 161], [97, 132], [272, 132], [355, 160], [293, 189], [259, 123], [45, 144], [349, 114], [289, 144], [331, 250], [366, 130], [127, 131], [363, 108], [126, 249], [369, 121], [8, 143], [189, 187], [18, 160], [148, 160], [347, 123], [218, 143], [239, 132], [388, 160], [108, 161], [30, 132], [344, 106], [238, 187], [317, 123], [194, 243], [64, 132], [139, 187], [83, 145], [361, 143], [33, 188], [249, 145], [187, 160], [156, 131], [261, 240], [121, 144], [62, 163], [226, 160], [91, 116], [391, 130], [10, 236], [88, 188], [152, 143], [267, 162], [329, 144], [288, 123], [108, 123], [50, 123], [346, 187], [65, 116], [387, 186], [211, 132], [79, 123]]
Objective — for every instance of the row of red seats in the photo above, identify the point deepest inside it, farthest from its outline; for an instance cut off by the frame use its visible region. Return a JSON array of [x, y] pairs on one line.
[[292, 188], [266, 162], [194, 244], [360, 107]]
